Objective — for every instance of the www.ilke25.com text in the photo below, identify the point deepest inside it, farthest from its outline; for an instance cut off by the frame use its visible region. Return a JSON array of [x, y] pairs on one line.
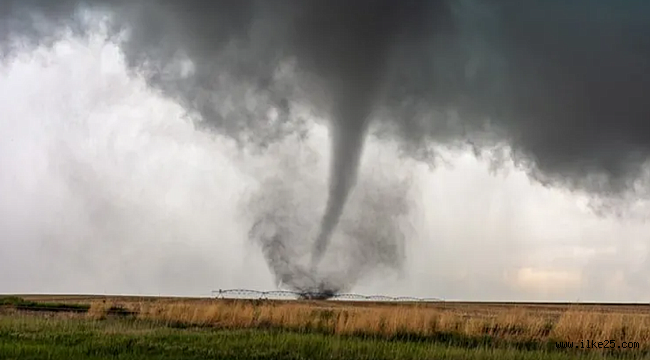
[[592, 344]]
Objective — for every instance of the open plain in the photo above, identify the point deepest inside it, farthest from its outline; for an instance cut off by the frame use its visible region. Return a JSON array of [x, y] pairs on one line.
[[97, 327]]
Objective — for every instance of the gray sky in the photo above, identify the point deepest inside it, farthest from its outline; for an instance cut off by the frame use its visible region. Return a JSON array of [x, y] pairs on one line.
[[106, 187]]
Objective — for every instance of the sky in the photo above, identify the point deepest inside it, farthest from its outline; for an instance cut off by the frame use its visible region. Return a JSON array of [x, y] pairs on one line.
[[108, 187]]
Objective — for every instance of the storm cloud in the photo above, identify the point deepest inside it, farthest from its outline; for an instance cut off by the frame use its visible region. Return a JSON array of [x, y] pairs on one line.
[[562, 84]]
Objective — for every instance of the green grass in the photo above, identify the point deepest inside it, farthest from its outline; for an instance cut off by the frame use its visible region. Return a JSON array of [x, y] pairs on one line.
[[25, 305], [29, 336], [21, 304]]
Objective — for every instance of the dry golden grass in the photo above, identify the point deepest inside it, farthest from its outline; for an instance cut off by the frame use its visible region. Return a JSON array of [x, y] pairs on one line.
[[99, 309], [517, 323]]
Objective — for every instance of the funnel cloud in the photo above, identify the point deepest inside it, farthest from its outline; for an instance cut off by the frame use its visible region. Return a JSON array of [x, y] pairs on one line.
[[563, 84], [370, 238]]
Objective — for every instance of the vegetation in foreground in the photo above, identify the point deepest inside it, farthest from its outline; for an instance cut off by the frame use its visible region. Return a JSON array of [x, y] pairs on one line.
[[535, 327], [34, 336], [208, 328]]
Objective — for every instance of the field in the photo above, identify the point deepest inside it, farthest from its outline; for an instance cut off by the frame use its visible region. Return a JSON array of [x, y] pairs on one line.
[[89, 327]]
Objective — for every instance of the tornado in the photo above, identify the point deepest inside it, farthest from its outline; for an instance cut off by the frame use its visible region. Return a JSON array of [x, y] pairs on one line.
[[348, 46], [563, 84], [348, 134]]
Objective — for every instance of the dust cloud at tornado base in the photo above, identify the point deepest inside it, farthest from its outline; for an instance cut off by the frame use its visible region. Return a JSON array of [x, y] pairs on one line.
[[370, 239], [432, 72]]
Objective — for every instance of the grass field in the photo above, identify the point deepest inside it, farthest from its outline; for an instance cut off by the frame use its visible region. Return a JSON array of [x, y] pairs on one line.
[[166, 328]]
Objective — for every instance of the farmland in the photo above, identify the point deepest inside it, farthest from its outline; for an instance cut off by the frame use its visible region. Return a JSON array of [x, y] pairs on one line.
[[92, 327]]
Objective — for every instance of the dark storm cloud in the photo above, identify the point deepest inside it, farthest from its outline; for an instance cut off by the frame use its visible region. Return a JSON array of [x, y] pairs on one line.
[[563, 83], [567, 83]]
